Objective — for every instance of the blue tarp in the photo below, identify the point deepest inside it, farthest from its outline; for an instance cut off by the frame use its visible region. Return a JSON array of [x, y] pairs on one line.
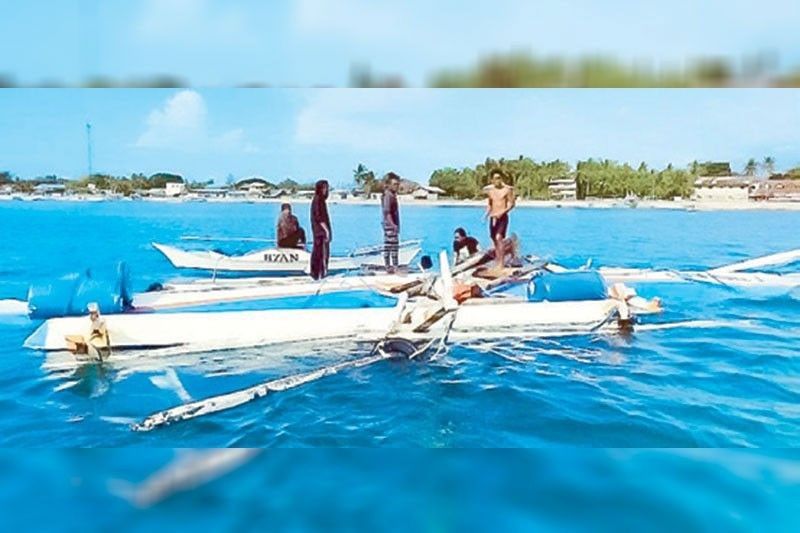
[[70, 295]]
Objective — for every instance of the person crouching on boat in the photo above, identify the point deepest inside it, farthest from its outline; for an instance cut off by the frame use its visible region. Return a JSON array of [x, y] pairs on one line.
[[464, 246], [391, 221], [97, 339], [322, 231], [289, 232]]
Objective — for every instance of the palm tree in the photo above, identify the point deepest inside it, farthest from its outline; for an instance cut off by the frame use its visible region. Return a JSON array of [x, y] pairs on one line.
[[751, 167], [364, 178], [769, 165]]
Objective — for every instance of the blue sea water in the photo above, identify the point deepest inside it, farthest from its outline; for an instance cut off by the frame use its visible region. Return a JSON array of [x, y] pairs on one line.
[[401, 490], [732, 382]]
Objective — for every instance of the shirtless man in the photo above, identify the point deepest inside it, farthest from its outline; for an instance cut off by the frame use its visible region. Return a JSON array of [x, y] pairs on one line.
[[501, 202]]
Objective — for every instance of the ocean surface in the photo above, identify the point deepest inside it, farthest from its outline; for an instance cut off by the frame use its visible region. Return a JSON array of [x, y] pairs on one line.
[[399, 490], [728, 377]]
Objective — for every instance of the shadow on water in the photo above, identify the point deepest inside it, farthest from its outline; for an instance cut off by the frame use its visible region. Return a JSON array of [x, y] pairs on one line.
[[90, 380]]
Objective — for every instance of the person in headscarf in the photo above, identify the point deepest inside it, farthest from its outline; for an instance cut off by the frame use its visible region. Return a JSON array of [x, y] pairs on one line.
[[322, 231], [391, 221], [464, 246], [289, 232]]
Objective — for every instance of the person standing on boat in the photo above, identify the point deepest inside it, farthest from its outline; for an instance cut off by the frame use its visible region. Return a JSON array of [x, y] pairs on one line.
[[289, 232], [464, 246], [321, 228], [501, 202], [391, 221]]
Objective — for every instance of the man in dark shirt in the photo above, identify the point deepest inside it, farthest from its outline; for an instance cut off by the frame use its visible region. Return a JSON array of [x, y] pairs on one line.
[[464, 246], [289, 232], [391, 221], [322, 231]]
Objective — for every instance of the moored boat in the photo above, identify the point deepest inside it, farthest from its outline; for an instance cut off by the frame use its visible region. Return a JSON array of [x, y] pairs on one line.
[[280, 261]]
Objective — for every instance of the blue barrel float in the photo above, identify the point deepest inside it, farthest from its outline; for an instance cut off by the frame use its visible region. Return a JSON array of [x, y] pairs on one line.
[[69, 295], [567, 286]]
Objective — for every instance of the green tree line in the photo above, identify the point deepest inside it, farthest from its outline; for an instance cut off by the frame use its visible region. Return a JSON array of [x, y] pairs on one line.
[[522, 69], [596, 178]]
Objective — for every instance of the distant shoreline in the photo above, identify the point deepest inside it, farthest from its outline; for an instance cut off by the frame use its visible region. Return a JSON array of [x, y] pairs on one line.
[[681, 205]]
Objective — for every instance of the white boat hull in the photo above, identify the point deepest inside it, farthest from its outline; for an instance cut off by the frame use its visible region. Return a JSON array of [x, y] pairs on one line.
[[494, 316], [220, 330], [278, 261], [238, 329]]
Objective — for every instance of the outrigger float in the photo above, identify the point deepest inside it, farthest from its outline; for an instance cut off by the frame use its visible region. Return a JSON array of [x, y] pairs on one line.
[[742, 274]]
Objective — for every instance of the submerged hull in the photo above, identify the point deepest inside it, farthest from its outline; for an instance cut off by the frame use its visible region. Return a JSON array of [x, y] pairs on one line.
[[279, 261], [220, 330], [495, 316], [197, 331]]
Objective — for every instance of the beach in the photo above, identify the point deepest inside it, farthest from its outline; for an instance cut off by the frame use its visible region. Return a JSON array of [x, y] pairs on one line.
[[600, 203]]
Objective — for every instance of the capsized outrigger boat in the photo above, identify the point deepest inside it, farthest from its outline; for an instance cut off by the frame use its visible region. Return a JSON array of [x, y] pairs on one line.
[[542, 312], [70, 295], [281, 261], [586, 306], [174, 295]]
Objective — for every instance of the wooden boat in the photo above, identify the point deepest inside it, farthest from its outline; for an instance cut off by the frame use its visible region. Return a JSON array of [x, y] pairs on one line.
[[503, 312], [280, 261]]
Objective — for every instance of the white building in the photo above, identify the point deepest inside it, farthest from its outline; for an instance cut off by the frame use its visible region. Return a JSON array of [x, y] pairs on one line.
[[565, 189], [254, 186], [50, 189], [173, 189], [721, 189]]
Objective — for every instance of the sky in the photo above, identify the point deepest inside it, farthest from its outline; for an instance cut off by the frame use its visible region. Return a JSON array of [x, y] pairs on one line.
[[316, 42], [308, 134]]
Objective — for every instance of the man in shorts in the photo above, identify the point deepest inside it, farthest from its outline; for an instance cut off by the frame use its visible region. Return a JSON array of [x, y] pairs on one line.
[[501, 202]]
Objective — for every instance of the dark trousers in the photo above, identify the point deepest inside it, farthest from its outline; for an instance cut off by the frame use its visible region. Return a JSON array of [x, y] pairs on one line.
[[391, 247], [320, 254]]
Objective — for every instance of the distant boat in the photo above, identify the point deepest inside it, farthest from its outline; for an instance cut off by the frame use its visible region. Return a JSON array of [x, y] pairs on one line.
[[630, 200]]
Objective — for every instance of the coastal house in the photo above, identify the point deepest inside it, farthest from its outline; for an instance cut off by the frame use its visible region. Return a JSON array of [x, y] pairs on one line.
[[427, 192], [563, 189], [722, 189], [277, 193], [174, 189], [779, 190], [50, 189], [254, 186], [211, 192]]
